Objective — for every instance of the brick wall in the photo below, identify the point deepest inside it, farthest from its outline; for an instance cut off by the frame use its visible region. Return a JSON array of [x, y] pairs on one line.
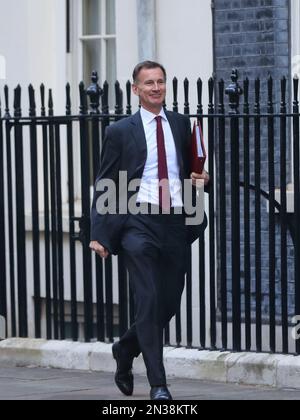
[[253, 36]]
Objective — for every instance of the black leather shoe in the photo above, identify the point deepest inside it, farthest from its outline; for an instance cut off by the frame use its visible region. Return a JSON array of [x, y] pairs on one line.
[[123, 375], [160, 393]]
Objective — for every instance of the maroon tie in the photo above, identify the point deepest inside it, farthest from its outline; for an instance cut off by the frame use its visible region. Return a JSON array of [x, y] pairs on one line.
[[164, 189]]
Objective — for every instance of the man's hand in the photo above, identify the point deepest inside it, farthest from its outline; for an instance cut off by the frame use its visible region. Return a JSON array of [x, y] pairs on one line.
[[99, 249], [200, 180]]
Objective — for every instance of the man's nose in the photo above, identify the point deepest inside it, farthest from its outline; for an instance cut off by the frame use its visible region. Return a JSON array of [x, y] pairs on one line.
[[156, 86]]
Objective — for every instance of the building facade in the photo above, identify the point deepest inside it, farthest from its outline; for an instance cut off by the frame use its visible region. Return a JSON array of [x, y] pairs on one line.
[[55, 42]]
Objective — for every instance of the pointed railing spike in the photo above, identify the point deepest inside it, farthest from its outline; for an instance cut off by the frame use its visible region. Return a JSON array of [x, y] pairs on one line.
[[118, 98], [221, 96], [296, 90], [68, 99], [257, 96], [83, 99], [32, 105], [50, 104], [128, 95], [94, 92], [211, 86], [17, 102], [6, 98], [283, 95], [105, 105], [175, 94], [270, 95], [234, 91], [43, 106], [186, 85], [199, 95]]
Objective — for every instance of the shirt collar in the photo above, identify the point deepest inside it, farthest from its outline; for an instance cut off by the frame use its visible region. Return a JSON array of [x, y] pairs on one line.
[[148, 116]]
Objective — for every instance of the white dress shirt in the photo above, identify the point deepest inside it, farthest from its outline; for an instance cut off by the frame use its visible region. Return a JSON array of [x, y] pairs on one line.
[[148, 192]]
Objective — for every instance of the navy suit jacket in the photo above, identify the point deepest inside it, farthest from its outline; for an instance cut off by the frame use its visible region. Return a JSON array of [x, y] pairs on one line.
[[125, 149]]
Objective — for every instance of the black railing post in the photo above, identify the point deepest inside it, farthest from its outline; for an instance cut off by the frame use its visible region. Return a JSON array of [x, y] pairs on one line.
[[60, 257], [234, 91], [3, 295], [258, 267], [104, 99], [53, 200], [296, 200], [128, 96], [98, 94], [94, 92], [73, 277], [247, 249], [7, 114], [85, 219], [186, 86], [188, 283], [47, 254], [272, 249], [101, 333], [222, 206], [119, 99], [283, 215], [175, 94], [202, 282], [211, 166], [20, 209], [35, 214], [199, 96], [11, 223]]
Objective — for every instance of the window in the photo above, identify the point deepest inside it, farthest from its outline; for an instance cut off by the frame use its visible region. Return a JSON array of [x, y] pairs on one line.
[[99, 42]]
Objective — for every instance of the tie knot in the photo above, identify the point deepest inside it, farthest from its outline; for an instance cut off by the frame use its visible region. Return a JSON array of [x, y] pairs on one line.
[[158, 118]]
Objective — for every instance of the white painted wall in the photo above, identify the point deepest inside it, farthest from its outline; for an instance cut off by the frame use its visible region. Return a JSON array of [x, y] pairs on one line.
[[127, 39], [184, 43], [2, 67], [32, 44]]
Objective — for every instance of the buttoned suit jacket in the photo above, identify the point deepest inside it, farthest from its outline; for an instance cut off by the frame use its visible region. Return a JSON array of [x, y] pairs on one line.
[[125, 149]]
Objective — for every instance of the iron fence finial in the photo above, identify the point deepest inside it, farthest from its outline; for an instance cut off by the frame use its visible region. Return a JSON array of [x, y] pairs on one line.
[[94, 92], [234, 91]]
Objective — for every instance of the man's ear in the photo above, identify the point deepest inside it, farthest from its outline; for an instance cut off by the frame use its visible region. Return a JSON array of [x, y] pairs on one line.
[[135, 89]]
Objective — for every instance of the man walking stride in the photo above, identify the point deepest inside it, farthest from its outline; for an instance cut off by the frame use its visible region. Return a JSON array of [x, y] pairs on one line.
[[152, 146]]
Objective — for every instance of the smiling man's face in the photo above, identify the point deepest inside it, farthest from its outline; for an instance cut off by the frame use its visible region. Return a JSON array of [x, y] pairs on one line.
[[151, 89]]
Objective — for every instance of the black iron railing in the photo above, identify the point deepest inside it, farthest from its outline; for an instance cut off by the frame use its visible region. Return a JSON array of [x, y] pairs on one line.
[[50, 283]]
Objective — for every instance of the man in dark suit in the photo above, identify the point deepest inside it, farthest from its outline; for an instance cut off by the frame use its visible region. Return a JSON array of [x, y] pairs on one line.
[[153, 147]]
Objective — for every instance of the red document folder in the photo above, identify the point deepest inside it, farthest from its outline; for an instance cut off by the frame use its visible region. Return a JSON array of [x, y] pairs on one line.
[[197, 152]]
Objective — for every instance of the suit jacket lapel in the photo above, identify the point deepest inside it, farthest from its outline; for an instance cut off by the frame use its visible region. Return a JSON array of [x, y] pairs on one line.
[[176, 134], [138, 133]]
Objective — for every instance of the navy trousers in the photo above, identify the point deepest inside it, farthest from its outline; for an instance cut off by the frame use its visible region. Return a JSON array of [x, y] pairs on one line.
[[155, 248]]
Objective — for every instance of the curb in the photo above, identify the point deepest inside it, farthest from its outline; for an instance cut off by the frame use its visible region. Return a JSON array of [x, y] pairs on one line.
[[278, 371]]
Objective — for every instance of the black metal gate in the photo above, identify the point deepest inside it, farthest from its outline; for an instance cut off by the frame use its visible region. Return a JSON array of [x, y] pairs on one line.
[[50, 284]]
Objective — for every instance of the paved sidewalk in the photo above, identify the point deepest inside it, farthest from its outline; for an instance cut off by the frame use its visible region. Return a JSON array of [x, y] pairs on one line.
[[54, 384]]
